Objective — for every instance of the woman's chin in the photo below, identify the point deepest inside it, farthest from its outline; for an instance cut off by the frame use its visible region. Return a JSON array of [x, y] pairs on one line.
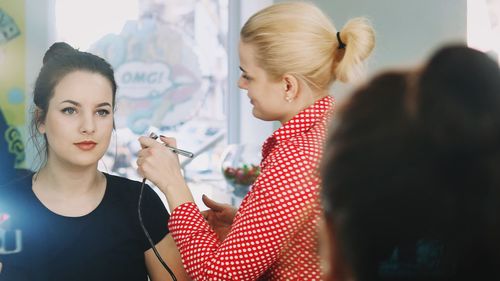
[[259, 115]]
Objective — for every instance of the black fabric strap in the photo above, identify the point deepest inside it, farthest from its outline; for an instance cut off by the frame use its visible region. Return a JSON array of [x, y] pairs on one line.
[[342, 45]]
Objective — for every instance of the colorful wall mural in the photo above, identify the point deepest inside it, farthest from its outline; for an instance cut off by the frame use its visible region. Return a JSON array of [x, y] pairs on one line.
[[12, 85]]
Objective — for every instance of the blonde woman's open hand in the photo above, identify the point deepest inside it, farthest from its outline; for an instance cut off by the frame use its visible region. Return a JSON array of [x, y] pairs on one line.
[[220, 216]]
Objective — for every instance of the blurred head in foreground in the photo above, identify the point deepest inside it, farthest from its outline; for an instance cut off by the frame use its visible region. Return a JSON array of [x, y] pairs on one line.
[[411, 174]]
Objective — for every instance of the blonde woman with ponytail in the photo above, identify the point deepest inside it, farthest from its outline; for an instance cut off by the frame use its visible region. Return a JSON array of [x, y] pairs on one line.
[[290, 54]]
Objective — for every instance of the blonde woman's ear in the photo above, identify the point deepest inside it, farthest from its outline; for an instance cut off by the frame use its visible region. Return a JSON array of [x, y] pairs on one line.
[[291, 87]]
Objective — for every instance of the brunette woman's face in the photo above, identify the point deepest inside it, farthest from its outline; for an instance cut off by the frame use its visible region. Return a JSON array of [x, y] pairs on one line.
[[79, 119]]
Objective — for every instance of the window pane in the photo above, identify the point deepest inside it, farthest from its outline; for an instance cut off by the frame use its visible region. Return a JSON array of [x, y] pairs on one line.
[[170, 62], [483, 26]]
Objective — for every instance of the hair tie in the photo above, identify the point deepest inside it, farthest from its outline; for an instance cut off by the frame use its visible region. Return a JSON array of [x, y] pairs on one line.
[[342, 45]]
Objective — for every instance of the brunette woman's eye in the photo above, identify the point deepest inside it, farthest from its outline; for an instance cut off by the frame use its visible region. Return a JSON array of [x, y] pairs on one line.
[[68, 110], [102, 112]]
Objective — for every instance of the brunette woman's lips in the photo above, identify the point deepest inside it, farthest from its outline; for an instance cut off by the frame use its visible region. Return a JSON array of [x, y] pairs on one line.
[[86, 145]]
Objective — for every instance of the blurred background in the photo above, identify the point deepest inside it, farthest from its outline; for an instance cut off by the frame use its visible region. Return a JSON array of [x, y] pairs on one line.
[[176, 65]]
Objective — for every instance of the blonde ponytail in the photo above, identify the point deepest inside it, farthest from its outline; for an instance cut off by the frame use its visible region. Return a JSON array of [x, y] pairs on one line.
[[359, 38]]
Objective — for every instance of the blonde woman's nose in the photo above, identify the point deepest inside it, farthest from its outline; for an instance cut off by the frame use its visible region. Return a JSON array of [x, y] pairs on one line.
[[242, 83]]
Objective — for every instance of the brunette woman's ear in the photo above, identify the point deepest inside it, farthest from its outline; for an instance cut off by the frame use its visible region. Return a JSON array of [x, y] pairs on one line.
[[39, 123]]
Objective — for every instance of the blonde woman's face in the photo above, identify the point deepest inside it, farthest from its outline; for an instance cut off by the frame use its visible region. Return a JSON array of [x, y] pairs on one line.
[[79, 120], [266, 96]]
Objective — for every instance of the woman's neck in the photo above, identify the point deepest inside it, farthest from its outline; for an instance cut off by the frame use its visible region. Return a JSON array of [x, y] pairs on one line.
[[69, 191], [67, 180], [304, 100]]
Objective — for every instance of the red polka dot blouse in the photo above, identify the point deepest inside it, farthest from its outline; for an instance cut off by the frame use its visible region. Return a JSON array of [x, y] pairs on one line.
[[274, 234]]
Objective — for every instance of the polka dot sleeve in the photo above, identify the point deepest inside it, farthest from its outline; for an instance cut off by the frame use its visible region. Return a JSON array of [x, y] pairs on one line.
[[272, 214], [260, 232]]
